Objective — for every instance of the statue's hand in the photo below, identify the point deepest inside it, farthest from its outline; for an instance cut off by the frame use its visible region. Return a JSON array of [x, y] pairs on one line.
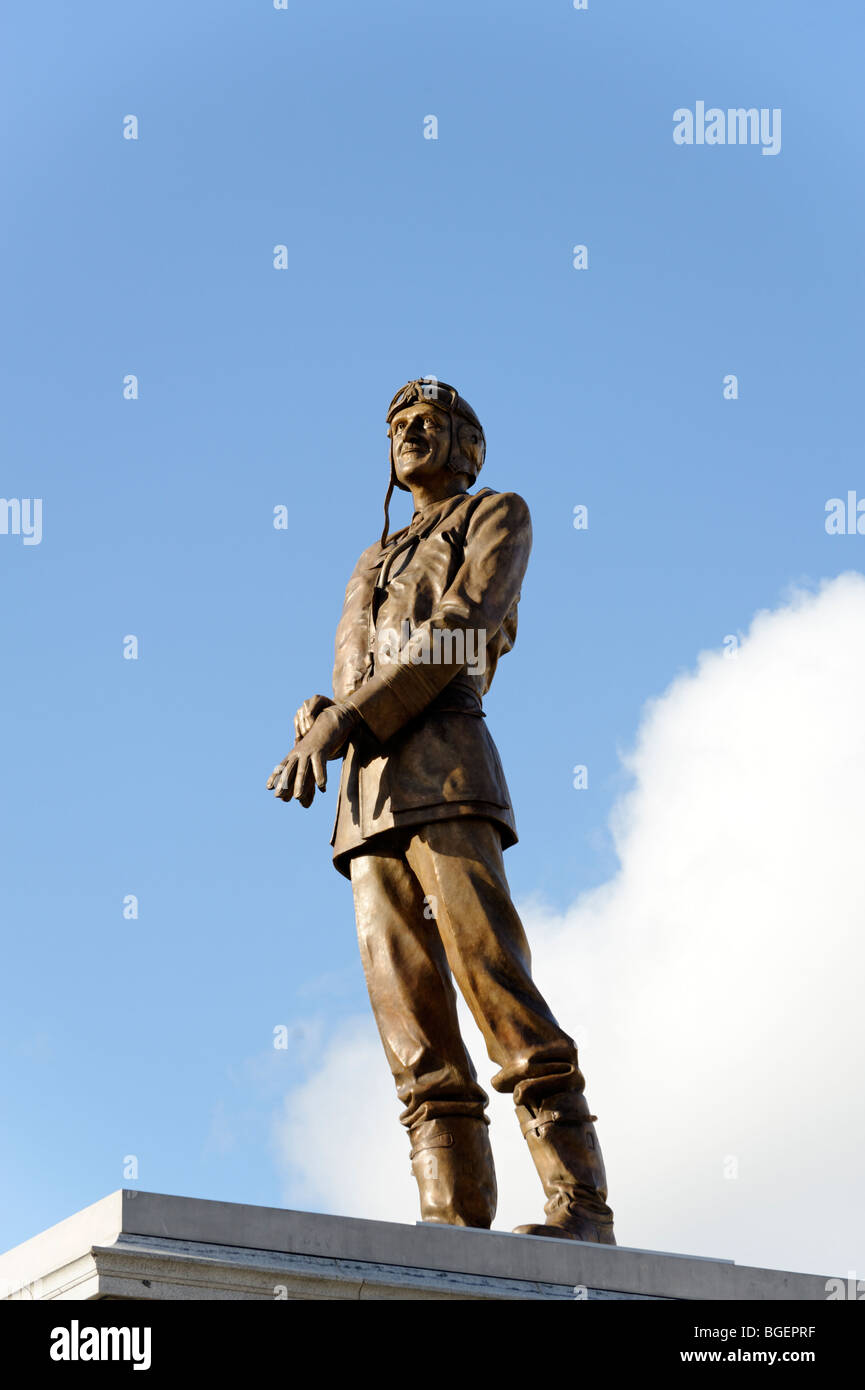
[[303, 770], [308, 713]]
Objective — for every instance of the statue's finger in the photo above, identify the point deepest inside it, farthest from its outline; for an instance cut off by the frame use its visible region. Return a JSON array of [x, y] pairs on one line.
[[306, 798], [319, 771], [271, 781], [285, 782], [302, 779]]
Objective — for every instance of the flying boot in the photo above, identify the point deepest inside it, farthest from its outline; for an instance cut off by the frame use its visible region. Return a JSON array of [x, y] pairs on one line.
[[452, 1163], [564, 1146]]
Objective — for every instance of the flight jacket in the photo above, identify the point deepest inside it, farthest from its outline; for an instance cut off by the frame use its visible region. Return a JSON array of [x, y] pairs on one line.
[[422, 750]]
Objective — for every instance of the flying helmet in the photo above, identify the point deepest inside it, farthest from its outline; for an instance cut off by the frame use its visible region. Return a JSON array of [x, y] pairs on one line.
[[466, 455]]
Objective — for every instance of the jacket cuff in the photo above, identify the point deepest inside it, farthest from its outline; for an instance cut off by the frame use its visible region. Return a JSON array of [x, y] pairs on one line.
[[385, 706]]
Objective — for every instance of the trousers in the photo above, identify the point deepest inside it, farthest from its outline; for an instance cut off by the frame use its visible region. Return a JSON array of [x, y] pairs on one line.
[[433, 905]]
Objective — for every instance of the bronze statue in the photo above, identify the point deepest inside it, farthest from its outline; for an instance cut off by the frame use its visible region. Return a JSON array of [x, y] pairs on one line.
[[422, 818]]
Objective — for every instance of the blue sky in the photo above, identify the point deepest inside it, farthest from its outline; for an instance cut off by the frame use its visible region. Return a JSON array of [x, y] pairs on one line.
[[260, 387]]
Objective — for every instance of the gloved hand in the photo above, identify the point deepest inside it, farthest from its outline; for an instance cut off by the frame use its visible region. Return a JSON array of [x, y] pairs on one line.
[[308, 713], [303, 769]]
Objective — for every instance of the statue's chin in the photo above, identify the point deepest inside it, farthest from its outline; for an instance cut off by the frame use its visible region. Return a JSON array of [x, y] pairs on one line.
[[410, 476]]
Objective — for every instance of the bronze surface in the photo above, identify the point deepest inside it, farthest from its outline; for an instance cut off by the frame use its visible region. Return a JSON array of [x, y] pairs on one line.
[[423, 815]]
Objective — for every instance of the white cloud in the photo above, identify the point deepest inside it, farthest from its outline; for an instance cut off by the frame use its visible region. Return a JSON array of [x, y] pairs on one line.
[[714, 984]]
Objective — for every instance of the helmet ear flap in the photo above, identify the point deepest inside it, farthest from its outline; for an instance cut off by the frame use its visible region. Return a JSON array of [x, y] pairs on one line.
[[468, 449]]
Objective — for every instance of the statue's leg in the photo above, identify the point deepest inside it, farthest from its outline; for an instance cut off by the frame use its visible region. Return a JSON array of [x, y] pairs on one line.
[[459, 862], [414, 1004]]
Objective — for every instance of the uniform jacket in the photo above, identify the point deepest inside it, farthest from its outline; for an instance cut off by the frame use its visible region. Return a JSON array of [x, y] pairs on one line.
[[422, 751]]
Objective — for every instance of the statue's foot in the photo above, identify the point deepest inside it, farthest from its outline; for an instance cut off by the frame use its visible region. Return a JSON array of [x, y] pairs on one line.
[[572, 1227]]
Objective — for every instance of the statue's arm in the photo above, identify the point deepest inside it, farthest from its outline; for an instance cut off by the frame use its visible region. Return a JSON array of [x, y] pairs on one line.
[[484, 590]]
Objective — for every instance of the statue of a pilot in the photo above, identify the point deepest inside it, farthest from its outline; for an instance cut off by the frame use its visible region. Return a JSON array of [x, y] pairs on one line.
[[423, 816]]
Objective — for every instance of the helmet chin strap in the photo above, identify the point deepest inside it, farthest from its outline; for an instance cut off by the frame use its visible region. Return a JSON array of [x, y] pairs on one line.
[[387, 497], [390, 487]]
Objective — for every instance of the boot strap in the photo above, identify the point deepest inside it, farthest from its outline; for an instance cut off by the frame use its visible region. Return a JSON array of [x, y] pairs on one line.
[[436, 1141], [549, 1117]]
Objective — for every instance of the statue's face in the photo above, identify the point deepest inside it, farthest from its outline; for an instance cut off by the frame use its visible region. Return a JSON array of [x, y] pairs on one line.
[[421, 442]]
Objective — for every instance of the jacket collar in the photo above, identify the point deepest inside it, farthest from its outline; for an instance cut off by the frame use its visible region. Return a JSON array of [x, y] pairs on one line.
[[428, 518], [421, 525]]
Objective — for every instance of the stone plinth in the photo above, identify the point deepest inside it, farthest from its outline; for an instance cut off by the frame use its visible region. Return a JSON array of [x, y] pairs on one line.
[[143, 1245]]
